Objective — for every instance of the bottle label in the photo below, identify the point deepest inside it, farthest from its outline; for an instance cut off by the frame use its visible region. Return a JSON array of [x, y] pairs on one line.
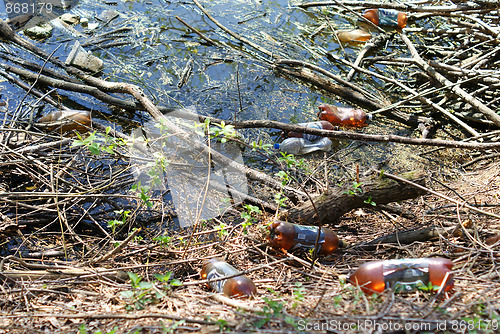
[[406, 275], [388, 17], [312, 125], [305, 237], [217, 285]]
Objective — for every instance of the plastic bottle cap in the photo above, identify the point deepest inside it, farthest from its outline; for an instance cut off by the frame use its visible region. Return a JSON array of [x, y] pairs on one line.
[[277, 146]]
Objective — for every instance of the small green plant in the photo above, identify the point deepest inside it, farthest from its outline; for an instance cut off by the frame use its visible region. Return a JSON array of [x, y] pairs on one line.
[[156, 172], [90, 142], [336, 301], [222, 230], [82, 329], [280, 199], [182, 241], [355, 189], [249, 215], [222, 325], [114, 223], [298, 294], [164, 240], [137, 238], [273, 310], [222, 131], [292, 161], [370, 201], [156, 169], [113, 331], [98, 143], [172, 328], [483, 319], [144, 293], [142, 192], [261, 146], [269, 311], [283, 176]]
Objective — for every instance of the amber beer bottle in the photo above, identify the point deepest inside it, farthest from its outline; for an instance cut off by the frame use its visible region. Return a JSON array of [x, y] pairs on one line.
[[66, 120], [386, 17], [322, 125], [405, 275], [287, 236], [238, 286], [492, 240], [343, 116], [353, 35]]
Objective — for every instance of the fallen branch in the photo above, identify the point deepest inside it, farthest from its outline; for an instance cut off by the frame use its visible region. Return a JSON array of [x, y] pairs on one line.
[[334, 204], [405, 237], [478, 105], [459, 203], [362, 136], [117, 248]]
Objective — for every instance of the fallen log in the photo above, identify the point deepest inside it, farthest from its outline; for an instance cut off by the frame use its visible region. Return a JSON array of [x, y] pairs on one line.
[[405, 237], [376, 189]]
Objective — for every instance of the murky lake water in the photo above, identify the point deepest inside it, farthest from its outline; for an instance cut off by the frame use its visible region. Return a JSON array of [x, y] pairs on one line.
[[158, 47]]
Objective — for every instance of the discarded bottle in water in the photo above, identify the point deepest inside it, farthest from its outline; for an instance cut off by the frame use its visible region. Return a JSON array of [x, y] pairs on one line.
[[386, 17], [238, 286], [66, 120], [405, 275], [322, 125], [353, 35], [344, 116], [287, 236], [300, 146]]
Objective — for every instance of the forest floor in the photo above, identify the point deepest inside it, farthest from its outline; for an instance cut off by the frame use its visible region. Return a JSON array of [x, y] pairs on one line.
[[165, 292]]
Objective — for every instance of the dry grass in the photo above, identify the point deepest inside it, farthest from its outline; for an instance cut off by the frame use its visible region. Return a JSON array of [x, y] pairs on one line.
[[292, 296]]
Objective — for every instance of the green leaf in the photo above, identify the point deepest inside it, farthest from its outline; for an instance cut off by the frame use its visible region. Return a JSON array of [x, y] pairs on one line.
[[164, 277], [145, 285], [108, 149], [94, 148], [77, 143], [134, 278], [175, 282], [129, 294]]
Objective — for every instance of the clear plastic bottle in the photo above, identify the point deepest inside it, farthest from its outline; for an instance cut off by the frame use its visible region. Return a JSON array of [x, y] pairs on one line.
[[386, 17], [322, 125], [238, 286], [66, 120], [353, 35], [343, 116], [405, 275], [287, 236], [300, 146]]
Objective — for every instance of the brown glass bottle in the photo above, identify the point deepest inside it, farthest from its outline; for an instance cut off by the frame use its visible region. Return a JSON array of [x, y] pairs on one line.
[[404, 275], [386, 17], [343, 116], [492, 240], [353, 35], [238, 286], [66, 120], [322, 125], [287, 236]]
